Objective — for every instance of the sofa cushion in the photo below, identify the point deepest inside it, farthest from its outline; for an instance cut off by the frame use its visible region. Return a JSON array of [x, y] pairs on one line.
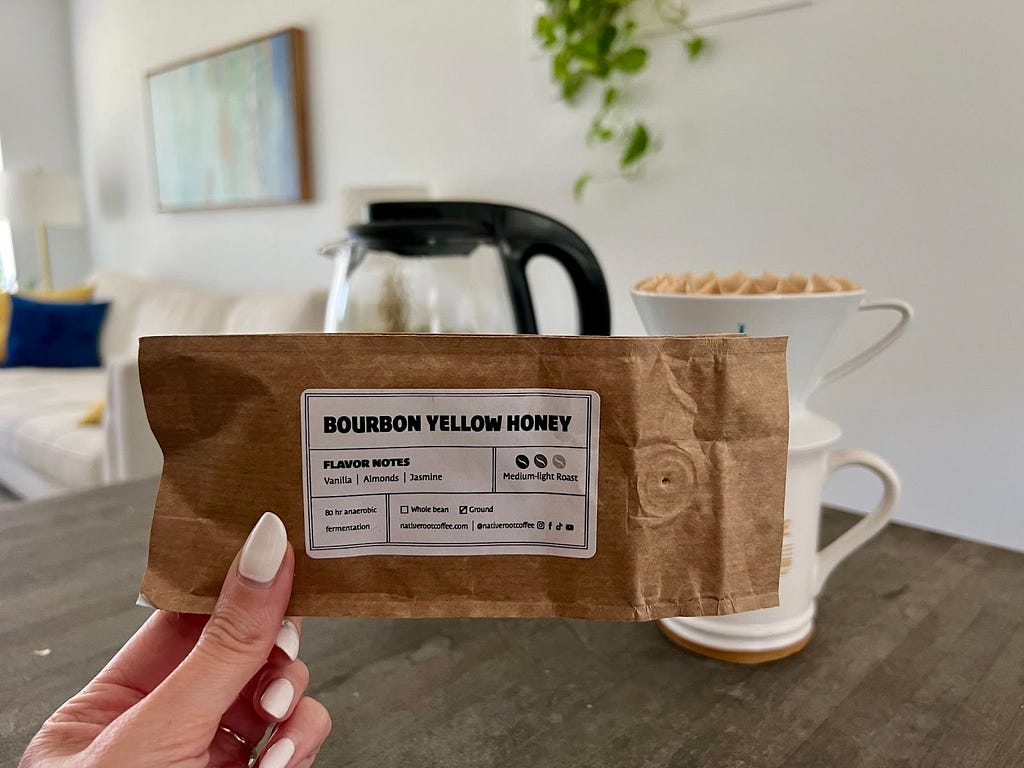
[[39, 413], [125, 294], [296, 312], [180, 310], [146, 307]]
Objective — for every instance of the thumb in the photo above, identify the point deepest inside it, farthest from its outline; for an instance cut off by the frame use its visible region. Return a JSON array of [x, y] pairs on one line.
[[240, 634]]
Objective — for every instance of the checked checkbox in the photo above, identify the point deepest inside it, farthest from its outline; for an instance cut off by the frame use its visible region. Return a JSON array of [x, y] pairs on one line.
[[463, 509]]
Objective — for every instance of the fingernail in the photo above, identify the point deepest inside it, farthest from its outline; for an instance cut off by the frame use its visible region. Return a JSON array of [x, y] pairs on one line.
[[278, 698], [288, 639], [264, 549], [279, 754]]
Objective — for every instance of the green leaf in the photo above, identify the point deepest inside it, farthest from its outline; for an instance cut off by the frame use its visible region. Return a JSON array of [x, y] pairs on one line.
[[599, 132], [545, 30], [571, 85], [605, 39], [580, 185], [560, 65], [695, 46], [611, 95], [585, 49], [639, 141], [631, 60]]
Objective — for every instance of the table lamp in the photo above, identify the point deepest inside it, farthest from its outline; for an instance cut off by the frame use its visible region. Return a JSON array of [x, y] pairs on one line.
[[43, 200]]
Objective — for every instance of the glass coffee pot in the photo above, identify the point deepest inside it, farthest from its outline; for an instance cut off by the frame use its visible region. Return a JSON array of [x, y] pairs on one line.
[[454, 267]]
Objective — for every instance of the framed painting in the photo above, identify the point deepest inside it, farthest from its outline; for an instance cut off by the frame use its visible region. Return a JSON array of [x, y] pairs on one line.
[[229, 127]]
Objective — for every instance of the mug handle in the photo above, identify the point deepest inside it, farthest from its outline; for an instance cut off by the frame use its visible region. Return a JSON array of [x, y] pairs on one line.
[[855, 362], [858, 535]]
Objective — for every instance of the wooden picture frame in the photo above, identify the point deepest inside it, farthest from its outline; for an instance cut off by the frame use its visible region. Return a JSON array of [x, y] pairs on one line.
[[228, 128]]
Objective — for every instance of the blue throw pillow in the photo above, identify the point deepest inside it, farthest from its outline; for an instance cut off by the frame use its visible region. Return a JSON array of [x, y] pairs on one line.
[[54, 335]]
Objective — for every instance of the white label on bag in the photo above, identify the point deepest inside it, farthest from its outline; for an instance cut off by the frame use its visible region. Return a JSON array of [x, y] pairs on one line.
[[450, 472]]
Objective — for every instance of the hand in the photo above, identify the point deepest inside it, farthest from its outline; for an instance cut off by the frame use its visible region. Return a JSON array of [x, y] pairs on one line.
[[193, 691]]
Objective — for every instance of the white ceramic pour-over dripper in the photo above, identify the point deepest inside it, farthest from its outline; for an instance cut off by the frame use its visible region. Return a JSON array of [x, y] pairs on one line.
[[810, 320]]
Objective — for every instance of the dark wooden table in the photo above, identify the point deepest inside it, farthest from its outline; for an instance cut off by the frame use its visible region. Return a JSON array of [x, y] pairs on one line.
[[918, 659]]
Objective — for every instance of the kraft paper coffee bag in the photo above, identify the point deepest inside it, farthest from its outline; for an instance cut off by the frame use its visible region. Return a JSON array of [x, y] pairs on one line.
[[425, 476]]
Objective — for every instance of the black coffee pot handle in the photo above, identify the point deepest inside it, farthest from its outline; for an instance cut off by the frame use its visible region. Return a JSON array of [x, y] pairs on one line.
[[429, 227], [525, 234]]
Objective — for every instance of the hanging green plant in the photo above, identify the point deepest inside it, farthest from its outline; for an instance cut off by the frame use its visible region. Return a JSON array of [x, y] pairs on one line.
[[593, 43]]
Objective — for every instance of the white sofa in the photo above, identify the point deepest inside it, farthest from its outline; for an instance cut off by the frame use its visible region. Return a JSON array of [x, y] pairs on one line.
[[43, 448]]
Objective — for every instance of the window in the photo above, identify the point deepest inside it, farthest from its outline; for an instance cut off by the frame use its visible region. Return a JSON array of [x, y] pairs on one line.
[[8, 271]]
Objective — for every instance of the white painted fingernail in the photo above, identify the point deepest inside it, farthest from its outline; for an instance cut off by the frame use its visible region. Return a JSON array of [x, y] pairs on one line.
[[277, 699], [288, 639], [264, 549], [279, 754]]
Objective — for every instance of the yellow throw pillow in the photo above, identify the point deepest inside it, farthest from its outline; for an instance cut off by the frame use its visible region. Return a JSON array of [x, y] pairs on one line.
[[78, 293], [94, 416], [5, 325]]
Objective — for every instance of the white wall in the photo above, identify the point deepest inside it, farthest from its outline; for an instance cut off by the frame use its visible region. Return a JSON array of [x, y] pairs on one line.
[[38, 121], [880, 139]]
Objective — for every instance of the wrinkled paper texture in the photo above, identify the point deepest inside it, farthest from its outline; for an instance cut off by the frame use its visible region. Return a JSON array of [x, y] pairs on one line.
[[691, 480]]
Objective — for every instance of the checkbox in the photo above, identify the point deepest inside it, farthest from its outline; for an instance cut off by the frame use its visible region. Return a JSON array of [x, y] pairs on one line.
[[403, 509], [463, 509]]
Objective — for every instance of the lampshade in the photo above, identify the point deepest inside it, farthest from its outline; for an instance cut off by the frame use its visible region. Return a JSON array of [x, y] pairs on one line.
[[40, 198]]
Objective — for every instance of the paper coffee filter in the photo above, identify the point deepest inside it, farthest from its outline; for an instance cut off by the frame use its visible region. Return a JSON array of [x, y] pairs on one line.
[[740, 283]]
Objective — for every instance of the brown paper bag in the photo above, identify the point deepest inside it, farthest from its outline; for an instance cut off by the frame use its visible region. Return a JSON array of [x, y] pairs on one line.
[[666, 457]]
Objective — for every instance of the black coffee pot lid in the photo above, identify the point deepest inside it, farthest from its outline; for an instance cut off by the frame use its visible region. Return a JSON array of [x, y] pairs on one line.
[[424, 237]]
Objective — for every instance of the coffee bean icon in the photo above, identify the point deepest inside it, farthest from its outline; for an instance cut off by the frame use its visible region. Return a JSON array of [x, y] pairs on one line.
[[558, 460], [540, 460], [522, 461]]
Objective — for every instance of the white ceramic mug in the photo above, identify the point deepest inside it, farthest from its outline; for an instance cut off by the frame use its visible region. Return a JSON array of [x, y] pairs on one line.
[[773, 633], [811, 320]]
